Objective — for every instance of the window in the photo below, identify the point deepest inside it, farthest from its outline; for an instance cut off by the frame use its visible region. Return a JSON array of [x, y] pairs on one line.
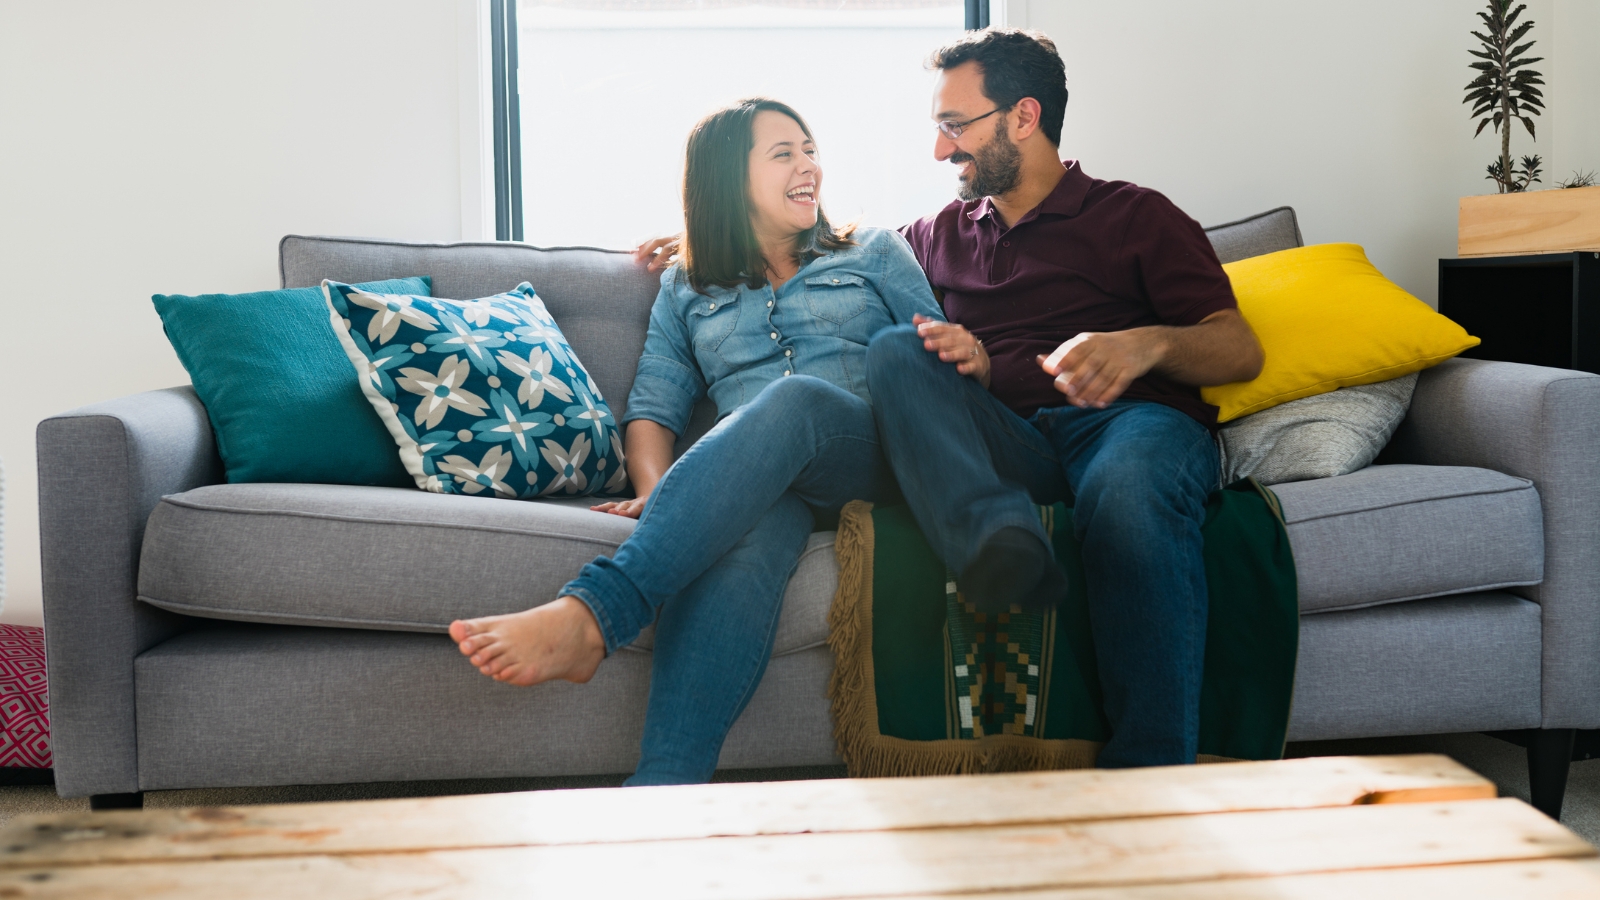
[[609, 89]]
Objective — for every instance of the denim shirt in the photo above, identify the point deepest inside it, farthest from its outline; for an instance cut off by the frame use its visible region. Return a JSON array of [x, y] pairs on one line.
[[732, 342]]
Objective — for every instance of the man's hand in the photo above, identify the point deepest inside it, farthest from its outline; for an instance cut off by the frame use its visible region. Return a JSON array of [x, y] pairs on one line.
[[1094, 368], [954, 344], [630, 508], [657, 254]]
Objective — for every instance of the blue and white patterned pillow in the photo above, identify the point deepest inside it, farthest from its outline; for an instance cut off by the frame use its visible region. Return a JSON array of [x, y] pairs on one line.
[[483, 396]]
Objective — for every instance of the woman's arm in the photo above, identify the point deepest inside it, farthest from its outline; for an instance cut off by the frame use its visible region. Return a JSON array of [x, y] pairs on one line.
[[903, 285], [649, 448]]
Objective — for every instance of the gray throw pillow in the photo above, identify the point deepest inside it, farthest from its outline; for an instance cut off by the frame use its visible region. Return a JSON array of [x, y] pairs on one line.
[[1315, 437]]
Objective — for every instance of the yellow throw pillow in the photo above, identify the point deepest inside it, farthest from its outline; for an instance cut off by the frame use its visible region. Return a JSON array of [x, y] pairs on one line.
[[1327, 319]]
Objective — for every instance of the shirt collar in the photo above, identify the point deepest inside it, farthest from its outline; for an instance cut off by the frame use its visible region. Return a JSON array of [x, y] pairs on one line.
[[1065, 200]]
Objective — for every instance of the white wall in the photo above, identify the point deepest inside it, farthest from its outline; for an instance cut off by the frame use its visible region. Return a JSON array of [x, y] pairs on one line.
[[164, 148], [1575, 69], [1350, 112]]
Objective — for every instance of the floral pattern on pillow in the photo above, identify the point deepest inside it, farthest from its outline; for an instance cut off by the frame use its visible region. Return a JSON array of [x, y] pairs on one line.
[[482, 396]]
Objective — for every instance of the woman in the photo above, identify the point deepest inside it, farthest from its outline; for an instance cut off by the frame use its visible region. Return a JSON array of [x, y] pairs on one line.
[[769, 310]]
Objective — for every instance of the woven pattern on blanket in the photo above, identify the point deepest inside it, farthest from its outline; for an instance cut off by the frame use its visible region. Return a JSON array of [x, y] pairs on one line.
[[924, 684]]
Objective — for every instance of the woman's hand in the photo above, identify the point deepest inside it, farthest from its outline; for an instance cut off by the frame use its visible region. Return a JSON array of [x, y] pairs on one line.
[[657, 253], [954, 344], [630, 508], [649, 449]]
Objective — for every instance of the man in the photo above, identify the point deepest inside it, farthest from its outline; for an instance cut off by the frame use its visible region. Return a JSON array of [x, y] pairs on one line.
[[1084, 316]]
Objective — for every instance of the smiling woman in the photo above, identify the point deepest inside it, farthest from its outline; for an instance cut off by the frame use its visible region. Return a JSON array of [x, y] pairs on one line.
[[765, 193], [609, 86]]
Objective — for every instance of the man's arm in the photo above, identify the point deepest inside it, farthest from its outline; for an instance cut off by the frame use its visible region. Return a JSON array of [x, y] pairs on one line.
[[1094, 368]]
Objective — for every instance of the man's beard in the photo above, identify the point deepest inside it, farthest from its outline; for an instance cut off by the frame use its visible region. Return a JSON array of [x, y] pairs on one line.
[[996, 169]]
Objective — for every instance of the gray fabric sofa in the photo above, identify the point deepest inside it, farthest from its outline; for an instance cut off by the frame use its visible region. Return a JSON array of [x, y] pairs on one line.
[[205, 634]]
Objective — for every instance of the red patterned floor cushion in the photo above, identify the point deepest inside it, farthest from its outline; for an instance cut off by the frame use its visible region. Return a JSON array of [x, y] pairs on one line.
[[24, 700]]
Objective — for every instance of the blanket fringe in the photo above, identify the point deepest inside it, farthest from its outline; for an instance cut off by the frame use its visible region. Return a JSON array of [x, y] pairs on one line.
[[851, 689], [853, 694]]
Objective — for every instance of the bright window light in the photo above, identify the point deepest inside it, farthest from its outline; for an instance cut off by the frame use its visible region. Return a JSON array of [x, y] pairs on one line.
[[610, 88]]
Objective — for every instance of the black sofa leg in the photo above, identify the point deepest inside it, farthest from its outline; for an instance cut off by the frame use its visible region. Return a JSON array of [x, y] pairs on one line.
[[135, 800], [1549, 756]]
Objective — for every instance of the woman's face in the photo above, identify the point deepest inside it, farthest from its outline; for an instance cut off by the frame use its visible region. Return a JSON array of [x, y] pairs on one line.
[[785, 177]]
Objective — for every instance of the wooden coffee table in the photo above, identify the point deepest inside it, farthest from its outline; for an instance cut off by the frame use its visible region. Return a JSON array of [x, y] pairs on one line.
[[1335, 827]]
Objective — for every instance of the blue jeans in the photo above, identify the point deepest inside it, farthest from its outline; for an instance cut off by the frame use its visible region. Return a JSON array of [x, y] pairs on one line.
[[1138, 475], [713, 552]]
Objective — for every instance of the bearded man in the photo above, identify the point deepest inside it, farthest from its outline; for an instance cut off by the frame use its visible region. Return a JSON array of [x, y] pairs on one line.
[[1084, 315]]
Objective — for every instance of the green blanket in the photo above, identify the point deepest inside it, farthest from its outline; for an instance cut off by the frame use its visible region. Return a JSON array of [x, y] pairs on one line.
[[925, 685]]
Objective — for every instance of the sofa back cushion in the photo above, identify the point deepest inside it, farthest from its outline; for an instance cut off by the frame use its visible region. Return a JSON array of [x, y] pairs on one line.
[[600, 298], [1262, 233]]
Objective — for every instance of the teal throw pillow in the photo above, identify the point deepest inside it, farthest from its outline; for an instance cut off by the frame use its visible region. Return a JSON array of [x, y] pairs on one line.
[[277, 386], [482, 396]]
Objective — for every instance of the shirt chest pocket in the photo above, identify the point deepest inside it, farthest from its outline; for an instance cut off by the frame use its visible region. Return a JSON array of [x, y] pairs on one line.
[[711, 321], [837, 297]]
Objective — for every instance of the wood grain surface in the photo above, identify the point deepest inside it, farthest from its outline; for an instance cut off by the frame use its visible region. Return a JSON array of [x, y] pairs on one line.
[[1550, 221], [1104, 854], [675, 813]]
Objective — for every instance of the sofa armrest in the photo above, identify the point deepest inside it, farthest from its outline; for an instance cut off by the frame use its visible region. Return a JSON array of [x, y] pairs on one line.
[[102, 469], [1544, 425]]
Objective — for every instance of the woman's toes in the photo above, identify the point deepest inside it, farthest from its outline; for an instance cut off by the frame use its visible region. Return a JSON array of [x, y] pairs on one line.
[[488, 650]]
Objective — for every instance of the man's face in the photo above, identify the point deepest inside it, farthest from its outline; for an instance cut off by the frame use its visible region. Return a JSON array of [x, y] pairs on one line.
[[989, 163]]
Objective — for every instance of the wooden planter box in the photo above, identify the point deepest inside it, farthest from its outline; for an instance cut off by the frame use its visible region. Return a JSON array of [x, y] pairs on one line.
[[1551, 221]]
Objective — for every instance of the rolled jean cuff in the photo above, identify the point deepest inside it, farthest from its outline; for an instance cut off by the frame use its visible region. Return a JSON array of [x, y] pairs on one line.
[[618, 607]]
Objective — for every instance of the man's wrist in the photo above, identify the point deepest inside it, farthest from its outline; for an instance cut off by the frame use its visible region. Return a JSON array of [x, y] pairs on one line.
[[1157, 345]]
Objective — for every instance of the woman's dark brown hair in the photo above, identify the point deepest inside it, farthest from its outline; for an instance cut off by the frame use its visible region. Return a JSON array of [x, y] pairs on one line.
[[719, 245]]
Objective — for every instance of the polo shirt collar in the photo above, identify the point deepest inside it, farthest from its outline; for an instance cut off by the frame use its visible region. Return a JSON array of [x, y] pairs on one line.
[[1065, 200]]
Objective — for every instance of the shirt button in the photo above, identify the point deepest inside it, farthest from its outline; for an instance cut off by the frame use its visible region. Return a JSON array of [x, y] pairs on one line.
[[711, 306], [787, 372], [788, 353], [774, 335], [1007, 243], [836, 281], [769, 304]]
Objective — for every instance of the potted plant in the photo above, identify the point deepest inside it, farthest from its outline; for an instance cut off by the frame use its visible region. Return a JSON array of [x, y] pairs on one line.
[[1505, 90]]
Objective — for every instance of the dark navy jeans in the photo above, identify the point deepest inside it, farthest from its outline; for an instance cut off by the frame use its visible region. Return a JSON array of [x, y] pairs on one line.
[[713, 552], [1137, 474]]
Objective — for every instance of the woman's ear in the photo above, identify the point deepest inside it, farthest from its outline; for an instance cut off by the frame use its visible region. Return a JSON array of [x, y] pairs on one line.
[[1024, 118]]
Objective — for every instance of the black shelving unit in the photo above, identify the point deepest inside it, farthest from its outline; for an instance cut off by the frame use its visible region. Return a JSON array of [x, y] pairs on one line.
[[1543, 310]]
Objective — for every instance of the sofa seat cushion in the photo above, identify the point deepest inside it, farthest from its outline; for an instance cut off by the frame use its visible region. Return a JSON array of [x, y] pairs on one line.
[[1387, 534], [397, 559]]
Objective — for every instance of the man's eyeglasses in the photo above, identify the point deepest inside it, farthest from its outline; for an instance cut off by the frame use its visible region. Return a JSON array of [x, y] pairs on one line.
[[952, 130]]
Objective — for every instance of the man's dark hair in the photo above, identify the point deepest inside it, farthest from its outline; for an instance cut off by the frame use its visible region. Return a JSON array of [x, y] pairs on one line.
[[1016, 63], [718, 245]]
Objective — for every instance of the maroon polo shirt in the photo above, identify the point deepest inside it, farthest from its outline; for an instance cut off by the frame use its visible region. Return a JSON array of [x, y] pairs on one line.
[[1093, 256]]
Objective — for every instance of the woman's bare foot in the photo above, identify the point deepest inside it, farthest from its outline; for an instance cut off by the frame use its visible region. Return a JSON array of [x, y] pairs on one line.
[[557, 640]]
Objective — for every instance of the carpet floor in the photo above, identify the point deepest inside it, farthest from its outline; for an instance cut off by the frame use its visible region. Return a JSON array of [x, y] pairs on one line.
[[1503, 763]]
